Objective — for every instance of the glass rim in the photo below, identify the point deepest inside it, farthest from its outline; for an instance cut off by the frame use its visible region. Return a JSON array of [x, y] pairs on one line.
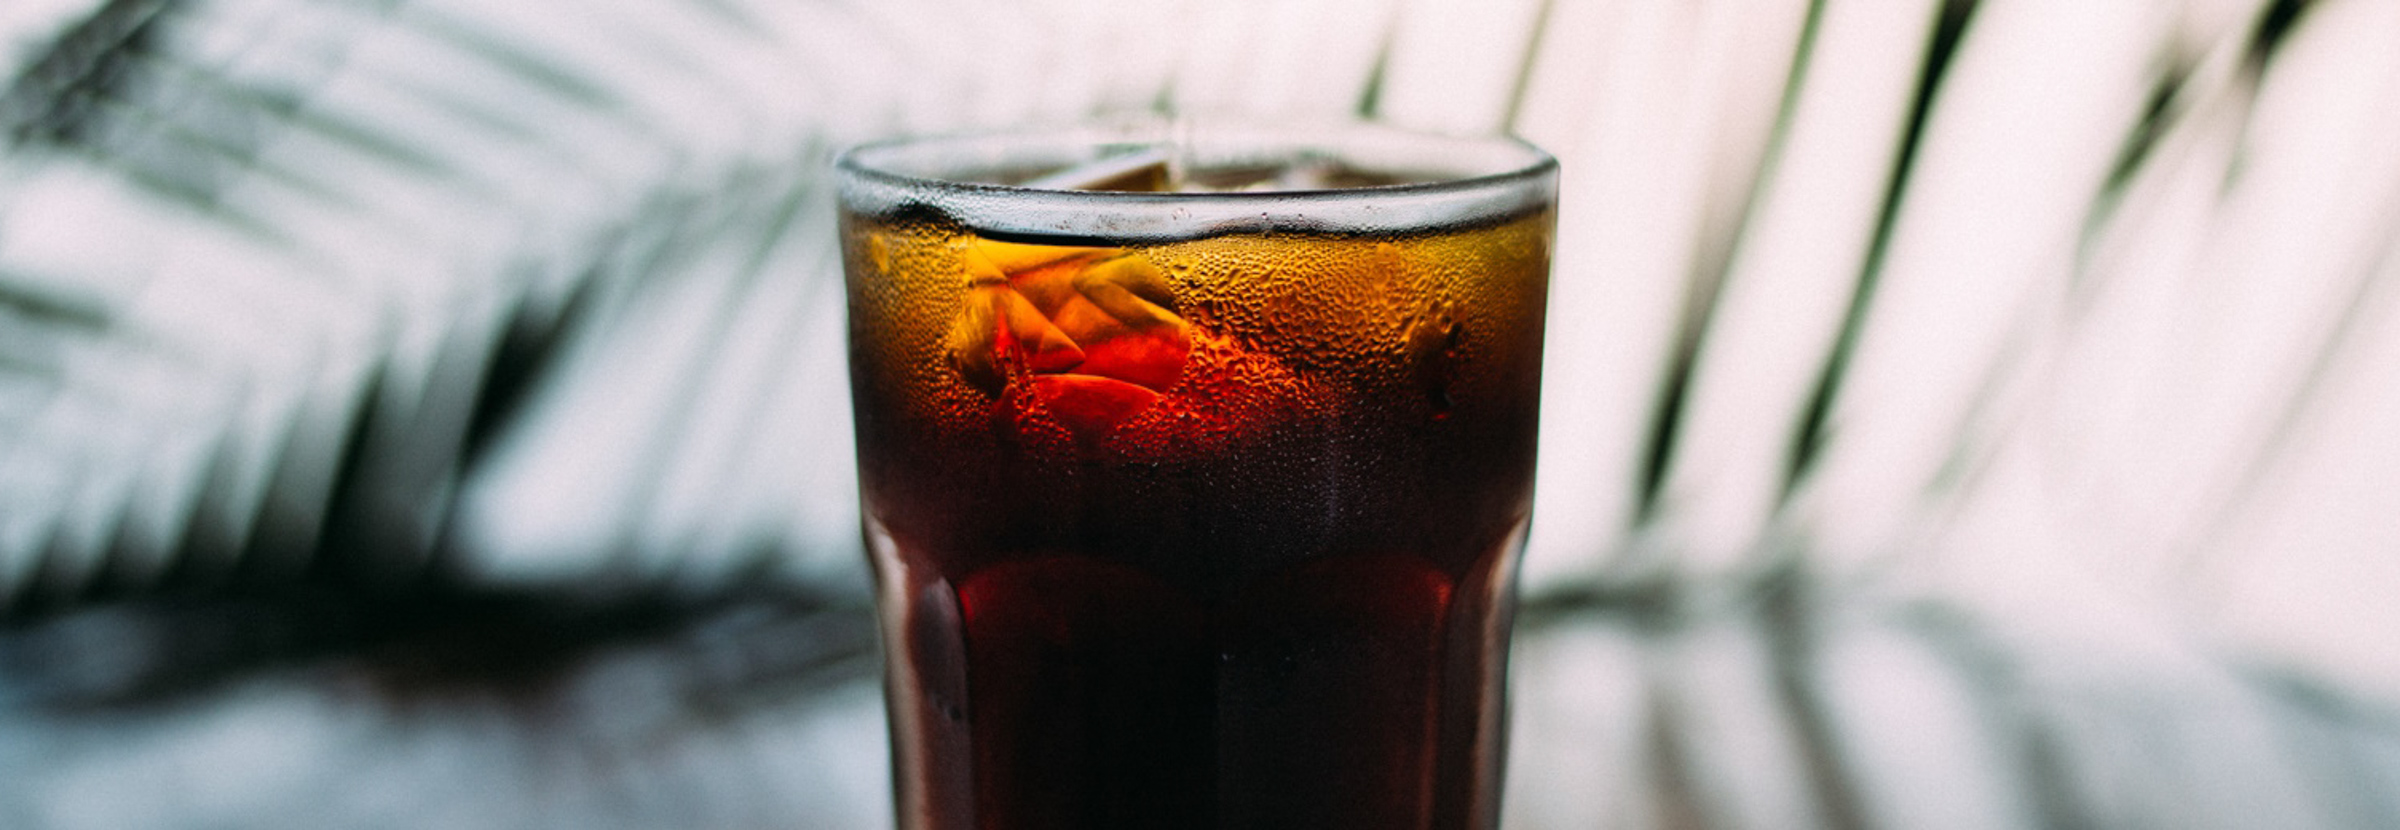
[[1475, 179]]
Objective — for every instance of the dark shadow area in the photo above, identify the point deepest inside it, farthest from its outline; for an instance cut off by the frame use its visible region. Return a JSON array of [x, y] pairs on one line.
[[518, 647]]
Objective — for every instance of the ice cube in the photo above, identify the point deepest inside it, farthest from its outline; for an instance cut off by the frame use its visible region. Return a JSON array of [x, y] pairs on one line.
[[1142, 171], [977, 351], [1090, 406], [993, 257], [1046, 348], [1131, 289], [1107, 309], [972, 340]]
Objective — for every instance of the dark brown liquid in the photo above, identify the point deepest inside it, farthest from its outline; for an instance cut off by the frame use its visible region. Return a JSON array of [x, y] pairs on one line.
[[1211, 534]]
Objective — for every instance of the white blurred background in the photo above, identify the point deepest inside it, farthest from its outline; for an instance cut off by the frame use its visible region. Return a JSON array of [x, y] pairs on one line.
[[1961, 413]]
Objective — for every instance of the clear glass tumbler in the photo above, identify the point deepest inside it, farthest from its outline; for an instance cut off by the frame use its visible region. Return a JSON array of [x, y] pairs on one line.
[[1196, 465]]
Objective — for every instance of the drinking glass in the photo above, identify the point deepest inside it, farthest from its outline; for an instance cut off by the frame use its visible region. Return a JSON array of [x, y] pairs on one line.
[[1196, 463]]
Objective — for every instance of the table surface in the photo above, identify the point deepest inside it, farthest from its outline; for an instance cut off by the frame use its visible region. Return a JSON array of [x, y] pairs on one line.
[[763, 710]]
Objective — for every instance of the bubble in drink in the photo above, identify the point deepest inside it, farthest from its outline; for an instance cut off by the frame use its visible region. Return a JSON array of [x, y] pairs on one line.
[[1205, 532]]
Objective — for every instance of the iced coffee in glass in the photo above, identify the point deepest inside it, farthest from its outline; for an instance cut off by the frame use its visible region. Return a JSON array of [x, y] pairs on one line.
[[1196, 464]]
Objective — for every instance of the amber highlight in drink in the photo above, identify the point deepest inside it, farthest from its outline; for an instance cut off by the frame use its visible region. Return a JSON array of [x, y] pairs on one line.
[[1211, 530]]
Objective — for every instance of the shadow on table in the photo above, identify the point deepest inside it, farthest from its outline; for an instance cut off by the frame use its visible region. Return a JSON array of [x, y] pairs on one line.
[[315, 706]]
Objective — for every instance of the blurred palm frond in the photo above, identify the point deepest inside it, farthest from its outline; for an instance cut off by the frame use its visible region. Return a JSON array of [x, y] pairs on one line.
[[2019, 365]]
